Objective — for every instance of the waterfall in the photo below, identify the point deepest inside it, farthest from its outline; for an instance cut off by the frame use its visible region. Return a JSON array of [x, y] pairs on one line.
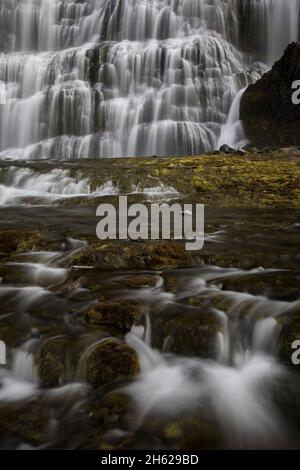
[[111, 78]]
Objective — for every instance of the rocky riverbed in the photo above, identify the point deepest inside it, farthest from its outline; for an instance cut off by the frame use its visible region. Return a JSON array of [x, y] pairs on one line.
[[122, 344]]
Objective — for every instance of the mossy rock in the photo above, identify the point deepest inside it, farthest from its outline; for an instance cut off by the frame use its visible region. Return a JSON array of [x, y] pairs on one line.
[[26, 421], [191, 434], [13, 240], [283, 285], [180, 432], [115, 409], [167, 255], [122, 314], [120, 256], [140, 281], [111, 361], [58, 359], [14, 333], [51, 361], [188, 334]]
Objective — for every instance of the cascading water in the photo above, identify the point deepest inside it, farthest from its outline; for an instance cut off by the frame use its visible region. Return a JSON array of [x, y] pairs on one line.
[[111, 78]]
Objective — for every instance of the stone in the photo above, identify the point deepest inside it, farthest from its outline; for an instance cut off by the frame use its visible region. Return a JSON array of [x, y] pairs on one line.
[[269, 116], [111, 361], [122, 314]]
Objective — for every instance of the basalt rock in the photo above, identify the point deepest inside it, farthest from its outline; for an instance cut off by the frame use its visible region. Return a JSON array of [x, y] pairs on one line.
[[269, 116], [231, 151]]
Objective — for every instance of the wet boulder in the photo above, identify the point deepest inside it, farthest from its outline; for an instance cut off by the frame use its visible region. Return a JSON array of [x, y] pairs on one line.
[[277, 285], [16, 240], [121, 314], [25, 421], [182, 432], [121, 256], [111, 361], [51, 361], [141, 281], [14, 331], [230, 150], [114, 409], [191, 333]]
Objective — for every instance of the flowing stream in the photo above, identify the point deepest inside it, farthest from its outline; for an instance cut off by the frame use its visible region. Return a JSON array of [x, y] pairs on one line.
[[114, 78], [237, 388]]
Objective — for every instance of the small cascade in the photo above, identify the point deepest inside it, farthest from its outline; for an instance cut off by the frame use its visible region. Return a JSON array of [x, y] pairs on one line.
[[20, 186], [21, 380], [232, 133]]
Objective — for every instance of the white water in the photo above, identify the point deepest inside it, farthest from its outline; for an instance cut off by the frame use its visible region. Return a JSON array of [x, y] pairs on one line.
[[19, 379], [235, 387], [130, 77], [232, 133], [25, 186]]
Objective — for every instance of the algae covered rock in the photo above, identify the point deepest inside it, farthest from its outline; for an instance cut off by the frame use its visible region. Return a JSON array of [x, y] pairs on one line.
[[188, 334], [269, 116], [26, 421], [140, 281], [14, 333], [111, 361], [51, 361], [122, 314], [117, 256], [184, 432], [116, 408], [278, 285], [16, 240]]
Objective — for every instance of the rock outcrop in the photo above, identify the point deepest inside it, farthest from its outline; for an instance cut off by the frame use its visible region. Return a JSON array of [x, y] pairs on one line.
[[268, 113]]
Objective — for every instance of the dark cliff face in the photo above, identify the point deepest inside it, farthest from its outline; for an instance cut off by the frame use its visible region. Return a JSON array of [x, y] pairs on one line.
[[268, 113]]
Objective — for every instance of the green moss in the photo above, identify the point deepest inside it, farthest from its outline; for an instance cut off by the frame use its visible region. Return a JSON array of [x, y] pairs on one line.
[[51, 362], [190, 334], [122, 314], [114, 409], [140, 281], [111, 361], [26, 422], [119, 256], [13, 240]]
